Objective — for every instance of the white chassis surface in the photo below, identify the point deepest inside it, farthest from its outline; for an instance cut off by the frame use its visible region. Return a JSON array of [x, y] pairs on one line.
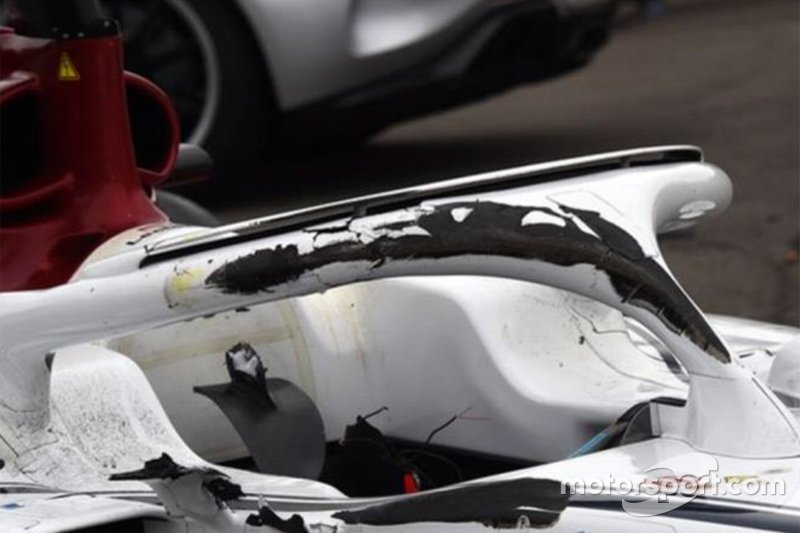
[[554, 317]]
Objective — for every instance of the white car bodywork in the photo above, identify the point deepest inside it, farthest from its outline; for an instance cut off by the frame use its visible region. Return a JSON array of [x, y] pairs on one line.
[[318, 48], [65, 432], [504, 356]]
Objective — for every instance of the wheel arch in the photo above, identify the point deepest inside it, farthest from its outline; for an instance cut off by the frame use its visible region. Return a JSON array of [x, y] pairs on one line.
[[245, 11], [250, 11]]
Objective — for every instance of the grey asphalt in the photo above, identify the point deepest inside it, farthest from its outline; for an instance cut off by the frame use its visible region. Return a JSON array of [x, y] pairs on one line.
[[721, 74]]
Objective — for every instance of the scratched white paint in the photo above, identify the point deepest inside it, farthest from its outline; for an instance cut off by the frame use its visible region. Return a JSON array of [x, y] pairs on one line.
[[322, 240], [576, 220], [540, 217], [460, 214]]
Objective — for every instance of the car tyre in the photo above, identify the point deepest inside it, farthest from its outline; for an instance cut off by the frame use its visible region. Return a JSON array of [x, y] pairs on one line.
[[203, 54]]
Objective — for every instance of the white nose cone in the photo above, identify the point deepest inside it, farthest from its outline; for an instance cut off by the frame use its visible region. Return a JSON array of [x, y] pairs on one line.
[[784, 377]]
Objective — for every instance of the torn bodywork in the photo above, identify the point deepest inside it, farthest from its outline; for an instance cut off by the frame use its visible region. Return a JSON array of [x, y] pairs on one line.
[[277, 421], [562, 257], [558, 235], [506, 505], [176, 485]]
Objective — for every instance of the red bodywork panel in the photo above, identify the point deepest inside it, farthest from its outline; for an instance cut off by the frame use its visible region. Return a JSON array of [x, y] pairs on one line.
[[86, 186]]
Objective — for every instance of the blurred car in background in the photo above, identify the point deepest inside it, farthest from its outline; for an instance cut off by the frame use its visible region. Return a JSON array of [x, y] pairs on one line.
[[248, 74]]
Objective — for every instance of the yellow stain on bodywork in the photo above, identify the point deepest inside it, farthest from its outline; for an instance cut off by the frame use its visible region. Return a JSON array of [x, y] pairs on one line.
[[185, 280], [304, 365], [181, 282]]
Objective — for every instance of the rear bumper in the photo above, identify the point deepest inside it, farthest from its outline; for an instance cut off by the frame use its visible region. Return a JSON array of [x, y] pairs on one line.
[[514, 44]]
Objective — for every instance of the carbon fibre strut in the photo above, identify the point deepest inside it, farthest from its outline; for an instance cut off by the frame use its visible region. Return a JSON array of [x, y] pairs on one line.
[[278, 422]]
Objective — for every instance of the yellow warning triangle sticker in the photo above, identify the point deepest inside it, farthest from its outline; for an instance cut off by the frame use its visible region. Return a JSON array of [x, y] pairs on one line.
[[66, 69]]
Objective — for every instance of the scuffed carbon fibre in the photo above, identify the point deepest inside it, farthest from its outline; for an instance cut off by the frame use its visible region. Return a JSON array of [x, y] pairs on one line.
[[278, 422], [165, 468], [267, 518], [501, 505], [490, 229]]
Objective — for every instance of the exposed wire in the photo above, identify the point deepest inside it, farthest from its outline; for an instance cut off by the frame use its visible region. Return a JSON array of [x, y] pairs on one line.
[[376, 412], [440, 428], [452, 464]]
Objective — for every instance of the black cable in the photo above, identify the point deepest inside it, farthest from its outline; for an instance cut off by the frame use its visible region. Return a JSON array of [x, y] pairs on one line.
[[442, 458], [376, 412], [440, 428]]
